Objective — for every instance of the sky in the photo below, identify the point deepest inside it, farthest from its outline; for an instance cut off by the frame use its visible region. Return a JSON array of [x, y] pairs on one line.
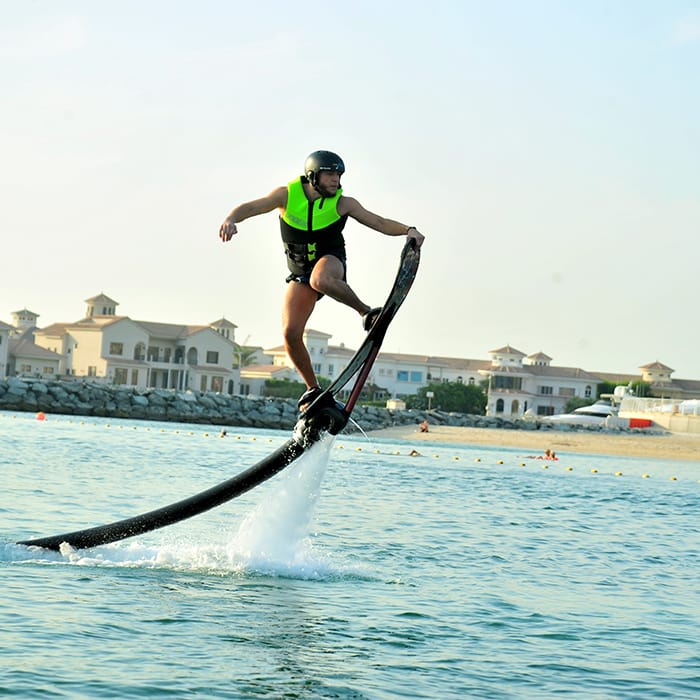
[[548, 150]]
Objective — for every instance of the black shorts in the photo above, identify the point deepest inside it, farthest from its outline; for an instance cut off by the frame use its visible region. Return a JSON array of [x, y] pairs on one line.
[[305, 277]]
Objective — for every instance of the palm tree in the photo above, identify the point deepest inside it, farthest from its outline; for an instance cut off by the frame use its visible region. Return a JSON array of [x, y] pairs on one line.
[[243, 356]]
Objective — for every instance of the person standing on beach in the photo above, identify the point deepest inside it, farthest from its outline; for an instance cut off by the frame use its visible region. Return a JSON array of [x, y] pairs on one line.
[[313, 212]]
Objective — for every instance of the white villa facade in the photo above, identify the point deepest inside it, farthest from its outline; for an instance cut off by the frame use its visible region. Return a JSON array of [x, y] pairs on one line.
[[5, 331], [520, 384], [516, 383], [117, 350]]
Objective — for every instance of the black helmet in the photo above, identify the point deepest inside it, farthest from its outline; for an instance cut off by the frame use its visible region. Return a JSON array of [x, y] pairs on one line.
[[322, 160]]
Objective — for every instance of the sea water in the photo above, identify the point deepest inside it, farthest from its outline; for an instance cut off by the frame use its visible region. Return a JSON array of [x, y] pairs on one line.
[[357, 572]]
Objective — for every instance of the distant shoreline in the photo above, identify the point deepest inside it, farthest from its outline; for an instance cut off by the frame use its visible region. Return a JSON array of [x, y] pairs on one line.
[[680, 446]]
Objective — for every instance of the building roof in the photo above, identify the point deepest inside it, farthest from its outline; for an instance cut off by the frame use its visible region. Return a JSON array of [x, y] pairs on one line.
[[223, 323], [170, 331], [25, 312], [317, 334], [101, 298], [565, 372], [125, 361], [211, 368], [258, 371], [53, 329], [547, 371], [24, 347], [657, 365], [459, 363], [337, 350], [617, 377], [687, 384], [539, 356], [507, 350], [6, 327]]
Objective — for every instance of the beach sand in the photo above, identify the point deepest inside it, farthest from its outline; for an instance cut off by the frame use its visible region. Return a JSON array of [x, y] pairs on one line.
[[681, 446]]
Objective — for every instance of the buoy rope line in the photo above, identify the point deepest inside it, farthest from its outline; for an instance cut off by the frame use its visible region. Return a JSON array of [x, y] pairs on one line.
[[41, 416]]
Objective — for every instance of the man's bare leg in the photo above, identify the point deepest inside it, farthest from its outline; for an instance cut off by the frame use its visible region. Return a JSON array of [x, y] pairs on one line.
[[299, 302], [327, 278]]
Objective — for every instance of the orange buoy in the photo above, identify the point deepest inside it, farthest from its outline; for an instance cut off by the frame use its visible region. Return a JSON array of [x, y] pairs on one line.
[[41, 416]]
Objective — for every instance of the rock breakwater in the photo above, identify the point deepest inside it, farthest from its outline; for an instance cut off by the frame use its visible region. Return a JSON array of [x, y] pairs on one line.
[[91, 399]]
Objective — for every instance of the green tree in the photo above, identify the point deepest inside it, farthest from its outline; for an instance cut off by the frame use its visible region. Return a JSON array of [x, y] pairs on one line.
[[288, 389], [283, 388], [450, 396], [642, 389], [606, 388], [243, 356], [576, 402], [639, 388]]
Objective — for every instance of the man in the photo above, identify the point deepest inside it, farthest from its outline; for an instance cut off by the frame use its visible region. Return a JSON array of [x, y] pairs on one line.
[[313, 212]]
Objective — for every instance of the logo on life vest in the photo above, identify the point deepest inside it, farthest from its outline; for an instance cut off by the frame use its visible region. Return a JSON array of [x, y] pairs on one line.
[[311, 248]]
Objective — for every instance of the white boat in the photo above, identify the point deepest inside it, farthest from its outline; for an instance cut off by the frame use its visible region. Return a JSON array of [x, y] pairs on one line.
[[595, 414]]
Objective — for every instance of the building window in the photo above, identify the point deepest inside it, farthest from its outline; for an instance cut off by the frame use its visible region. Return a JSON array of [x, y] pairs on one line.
[[588, 392], [48, 370], [134, 377], [317, 367], [546, 390], [120, 375], [203, 383], [402, 375], [508, 383], [116, 348], [212, 357], [545, 410], [140, 352], [331, 370], [217, 384], [417, 377], [153, 352], [92, 371], [567, 391], [471, 381], [460, 380], [25, 368]]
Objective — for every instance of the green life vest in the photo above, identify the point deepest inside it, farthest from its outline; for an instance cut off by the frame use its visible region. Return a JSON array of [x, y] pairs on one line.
[[310, 230]]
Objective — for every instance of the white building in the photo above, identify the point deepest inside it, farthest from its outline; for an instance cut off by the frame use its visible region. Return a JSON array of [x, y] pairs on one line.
[[118, 350], [519, 383], [516, 383], [253, 377], [27, 359], [115, 349], [5, 330]]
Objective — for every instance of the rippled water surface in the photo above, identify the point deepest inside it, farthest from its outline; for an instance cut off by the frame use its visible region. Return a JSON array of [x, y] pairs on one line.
[[358, 572]]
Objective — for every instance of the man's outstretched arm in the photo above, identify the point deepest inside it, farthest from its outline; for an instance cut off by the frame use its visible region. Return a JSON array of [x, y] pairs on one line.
[[277, 199], [389, 227]]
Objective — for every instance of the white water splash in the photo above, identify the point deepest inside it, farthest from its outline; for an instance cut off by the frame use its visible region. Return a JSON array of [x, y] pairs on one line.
[[273, 538], [275, 534]]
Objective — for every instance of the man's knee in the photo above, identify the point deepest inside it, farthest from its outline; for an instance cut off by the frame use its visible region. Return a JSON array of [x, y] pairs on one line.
[[319, 283], [292, 334]]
